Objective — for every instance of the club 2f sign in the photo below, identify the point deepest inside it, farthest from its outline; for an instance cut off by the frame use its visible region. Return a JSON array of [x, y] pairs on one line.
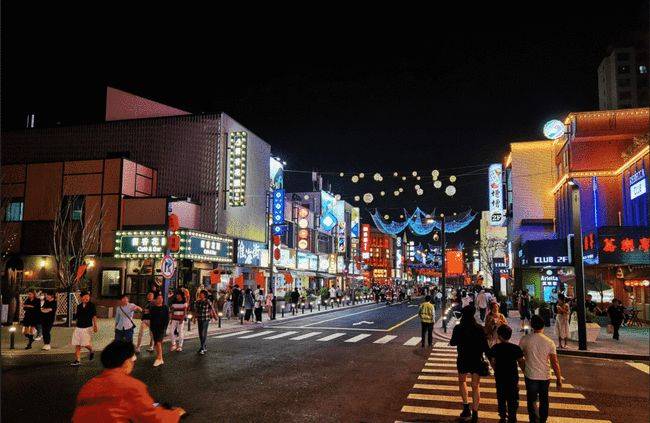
[[168, 267]]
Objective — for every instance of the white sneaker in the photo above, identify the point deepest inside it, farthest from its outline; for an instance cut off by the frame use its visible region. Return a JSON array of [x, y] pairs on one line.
[[158, 363], [38, 338], [46, 347]]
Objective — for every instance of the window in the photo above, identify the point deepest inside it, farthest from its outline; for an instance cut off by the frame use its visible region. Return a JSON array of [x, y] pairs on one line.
[[14, 211], [76, 207], [643, 69], [624, 69], [111, 286]]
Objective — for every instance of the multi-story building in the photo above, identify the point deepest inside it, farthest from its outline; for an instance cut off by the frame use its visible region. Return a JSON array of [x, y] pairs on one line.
[[623, 79], [493, 250], [378, 255]]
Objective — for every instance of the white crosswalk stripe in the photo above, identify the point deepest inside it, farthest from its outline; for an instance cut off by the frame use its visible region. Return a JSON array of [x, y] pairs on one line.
[[305, 336], [332, 336], [443, 345], [413, 341], [484, 380], [358, 338], [228, 335], [492, 415], [256, 334], [384, 340], [281, 335]]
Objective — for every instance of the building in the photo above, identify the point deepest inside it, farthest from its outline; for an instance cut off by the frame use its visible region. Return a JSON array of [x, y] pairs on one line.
[[378, 255], [623, 79], [492, 253]]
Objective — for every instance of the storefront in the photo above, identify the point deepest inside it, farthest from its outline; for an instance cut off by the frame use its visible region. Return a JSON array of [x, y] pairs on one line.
[[253, 262], [306, 267], [545, 268], [285, 264]]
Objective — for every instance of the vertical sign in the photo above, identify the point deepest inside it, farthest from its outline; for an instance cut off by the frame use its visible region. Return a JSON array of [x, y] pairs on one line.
[[495, 194], [276, 174], [327, 217], [365, 241], [237, 143], [277, 206], [339, 210], [355, 222]]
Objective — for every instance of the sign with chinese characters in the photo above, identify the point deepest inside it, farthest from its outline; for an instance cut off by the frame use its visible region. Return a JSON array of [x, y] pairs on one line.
[[365, 241], [332, 264], [340, 264], [237, 158], [287, 258], [276, 174], [327, 218], [341, 228], [495, 194], [355, 222], [410, 251], [206, 247], [252, 253], [637, 184], [323, 263], [624, 244], [140, 244], [307, 261], [398, 253], [277, 207]]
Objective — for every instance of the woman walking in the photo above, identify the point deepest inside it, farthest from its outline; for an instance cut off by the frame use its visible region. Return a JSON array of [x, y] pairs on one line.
[[178, 314], [259, 306], [145, 323], [269, 305], [469, 339], [249, 303], [159, 318], [562, 320], [32, 317], [48, 315], [492, 322]]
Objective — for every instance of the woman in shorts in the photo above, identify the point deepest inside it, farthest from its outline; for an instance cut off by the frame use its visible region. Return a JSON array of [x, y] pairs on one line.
[[146, 320], [158, 320]]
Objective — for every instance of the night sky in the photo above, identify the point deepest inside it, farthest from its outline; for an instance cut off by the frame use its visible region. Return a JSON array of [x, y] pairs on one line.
[[413, 90]]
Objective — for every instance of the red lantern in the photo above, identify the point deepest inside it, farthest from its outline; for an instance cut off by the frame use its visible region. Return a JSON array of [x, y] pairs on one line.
[[174, 242], [174, 223], [276, 253], [277, 240]]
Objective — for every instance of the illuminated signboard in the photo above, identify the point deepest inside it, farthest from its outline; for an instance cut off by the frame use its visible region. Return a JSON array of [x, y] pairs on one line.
[[495, 194], [252, 253], [637, 184], [287, 258], [277, 206], [546, 252], [355, 222], [365, 241], [398, 253], [303, 228], [140, 244], [237, 143], [323, 263], [332, 264], [624, 245], [379, 273], [204, 246], [339, 212], [276, 174], [554, 129], [328, 218], [340, 264], [307, 261]]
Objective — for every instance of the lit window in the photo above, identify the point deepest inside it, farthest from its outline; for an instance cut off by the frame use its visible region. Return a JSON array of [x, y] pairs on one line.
[[643, 69], [76, 205], [14, 212]]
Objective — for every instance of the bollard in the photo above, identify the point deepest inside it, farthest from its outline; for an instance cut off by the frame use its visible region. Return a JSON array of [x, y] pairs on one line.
[[444, 324], [283, 311], [12, 338], [311, 308], [241, 316], [303, 308], [220, 315], [319, 306], [189, 322]]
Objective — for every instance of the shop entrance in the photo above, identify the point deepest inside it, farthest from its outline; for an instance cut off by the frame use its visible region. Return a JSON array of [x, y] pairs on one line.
[[137, 287]]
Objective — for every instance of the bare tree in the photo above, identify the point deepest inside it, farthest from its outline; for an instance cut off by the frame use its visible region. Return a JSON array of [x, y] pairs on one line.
[[73, 238], [491, 248]]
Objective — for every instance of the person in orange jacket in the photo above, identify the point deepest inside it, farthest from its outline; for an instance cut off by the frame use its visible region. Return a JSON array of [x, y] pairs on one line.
[[115, 396]]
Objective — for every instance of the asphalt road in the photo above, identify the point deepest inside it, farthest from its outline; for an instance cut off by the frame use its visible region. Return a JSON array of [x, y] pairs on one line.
[[302, 371]]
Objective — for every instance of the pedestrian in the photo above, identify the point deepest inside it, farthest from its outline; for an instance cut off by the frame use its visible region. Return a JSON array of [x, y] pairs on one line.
[[492, 323], [504, 357], [145, 323], [259, 305], [237, 300], [203, 312], [269, 305], [562, 320], [178, 310], [426, 313], [465, 300], [86, 326], [159, 318], [539, 350], [470, 341], [333, 293], [249, 304], [115, 395], [616, 315], [524, 308], [124, 325], [48, 315], [31, 317], [295, 298], [39, 327], [482, 303], [439, 300], [227, 307]]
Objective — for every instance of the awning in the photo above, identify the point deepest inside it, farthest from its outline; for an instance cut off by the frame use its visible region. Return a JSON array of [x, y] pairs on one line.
[[304, 273]]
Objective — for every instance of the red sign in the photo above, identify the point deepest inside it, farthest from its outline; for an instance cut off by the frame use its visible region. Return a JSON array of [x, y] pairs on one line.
[[173, 222], [174, 242], [215, 276], [365, 238]]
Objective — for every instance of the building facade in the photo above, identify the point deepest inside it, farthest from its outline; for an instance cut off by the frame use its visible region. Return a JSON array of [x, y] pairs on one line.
[[623, 79]]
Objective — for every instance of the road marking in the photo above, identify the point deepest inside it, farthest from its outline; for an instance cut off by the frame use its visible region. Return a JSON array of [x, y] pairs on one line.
[[255, 335], [443, 345], [358, 337], [442, 355], [401, 323], [493, 401], [493, 415], [330, 328], [332, 336], [439, 371], [413, 341], [386, 339], [363, 322], [227, 335], [437, 359], [281, 335], [341, 317], [305, 336], [440, 364], [639, 366], [553, 394], [484, 380]]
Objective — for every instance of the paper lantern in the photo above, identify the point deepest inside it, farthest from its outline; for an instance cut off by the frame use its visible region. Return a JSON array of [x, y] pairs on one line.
[[403, 178], [437, 184], [341, 174], [377, 177], [450, 190], [355, 179], [367, 198], [396, 193], [382, 193], [434, 174], [414, 173], [356, 198], [362, 175], [452, 179], [401, 190], [395, 174]]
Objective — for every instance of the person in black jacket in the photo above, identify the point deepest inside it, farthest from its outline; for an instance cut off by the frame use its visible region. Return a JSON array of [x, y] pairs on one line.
[[31, 318], [237, 300], [48, 315], [295, 297], [616, 315], [469, 339]]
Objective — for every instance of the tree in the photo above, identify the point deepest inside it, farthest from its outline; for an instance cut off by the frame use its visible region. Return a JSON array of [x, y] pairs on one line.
[[489, 249], [76, 233]]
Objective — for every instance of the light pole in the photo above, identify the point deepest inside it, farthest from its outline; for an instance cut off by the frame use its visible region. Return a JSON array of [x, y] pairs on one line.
[[578, 264], [443, 277]]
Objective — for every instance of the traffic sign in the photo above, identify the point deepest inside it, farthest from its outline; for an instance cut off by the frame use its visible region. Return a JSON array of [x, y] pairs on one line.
[[168, 266]]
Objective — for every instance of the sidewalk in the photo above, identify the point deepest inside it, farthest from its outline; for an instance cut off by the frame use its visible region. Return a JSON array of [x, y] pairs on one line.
[[634, 342], [61, 336]]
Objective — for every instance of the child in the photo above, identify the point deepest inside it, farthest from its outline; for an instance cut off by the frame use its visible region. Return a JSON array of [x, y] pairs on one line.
[[504, 357]]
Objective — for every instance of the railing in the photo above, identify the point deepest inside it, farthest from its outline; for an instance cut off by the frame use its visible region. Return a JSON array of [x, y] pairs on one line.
[[61, 303]]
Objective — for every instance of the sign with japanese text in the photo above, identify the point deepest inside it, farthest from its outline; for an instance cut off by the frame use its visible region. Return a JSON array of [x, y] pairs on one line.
[[624, 244], [365, 240], [495, 194], [252, 253]]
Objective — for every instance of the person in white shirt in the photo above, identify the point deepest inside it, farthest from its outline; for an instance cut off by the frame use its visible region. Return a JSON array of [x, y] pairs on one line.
[[539, 350], [333, 293], [482, 303], [465, 299]]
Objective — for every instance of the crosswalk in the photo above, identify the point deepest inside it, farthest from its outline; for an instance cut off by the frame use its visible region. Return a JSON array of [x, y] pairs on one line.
[[435, 395], [327, 336]]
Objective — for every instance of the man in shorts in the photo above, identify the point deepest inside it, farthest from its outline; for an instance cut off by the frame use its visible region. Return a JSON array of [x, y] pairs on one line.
[[86, 326]]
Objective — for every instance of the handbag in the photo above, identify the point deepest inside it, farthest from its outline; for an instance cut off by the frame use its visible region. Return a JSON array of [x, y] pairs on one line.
[[127, 316]]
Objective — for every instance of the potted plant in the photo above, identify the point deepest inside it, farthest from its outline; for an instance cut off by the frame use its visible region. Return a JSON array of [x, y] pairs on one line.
[[324, 294]]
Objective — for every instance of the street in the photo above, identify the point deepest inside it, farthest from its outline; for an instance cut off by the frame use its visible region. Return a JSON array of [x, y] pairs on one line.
[[362, 364]]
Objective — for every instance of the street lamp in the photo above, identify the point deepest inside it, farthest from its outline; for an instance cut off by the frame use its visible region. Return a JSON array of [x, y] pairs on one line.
[[578, 264]]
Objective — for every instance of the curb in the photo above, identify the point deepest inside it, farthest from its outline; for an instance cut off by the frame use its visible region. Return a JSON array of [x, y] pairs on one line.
[[611, 356]]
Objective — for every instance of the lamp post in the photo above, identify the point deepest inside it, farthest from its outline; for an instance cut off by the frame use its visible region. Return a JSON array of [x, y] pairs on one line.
[[578, 264], [443, 277]]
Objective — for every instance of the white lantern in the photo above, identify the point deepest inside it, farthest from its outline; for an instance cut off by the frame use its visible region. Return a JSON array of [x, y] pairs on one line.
[[355, 179], [362, 175], [414, 173], [435, 173], [450, 190], [382, 193], [437, 184], [377, 177], [386, 217], [341, 174], [367, 198], [356, 198], [452, 179], [401, 189], [396, 193]]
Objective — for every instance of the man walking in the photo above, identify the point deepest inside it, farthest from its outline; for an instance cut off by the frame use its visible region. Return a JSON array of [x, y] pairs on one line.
[[86, 326], [124, 325], [426, 313], [482, 303], [539, 350], [504, 358], [48, 315], [204, 312]]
